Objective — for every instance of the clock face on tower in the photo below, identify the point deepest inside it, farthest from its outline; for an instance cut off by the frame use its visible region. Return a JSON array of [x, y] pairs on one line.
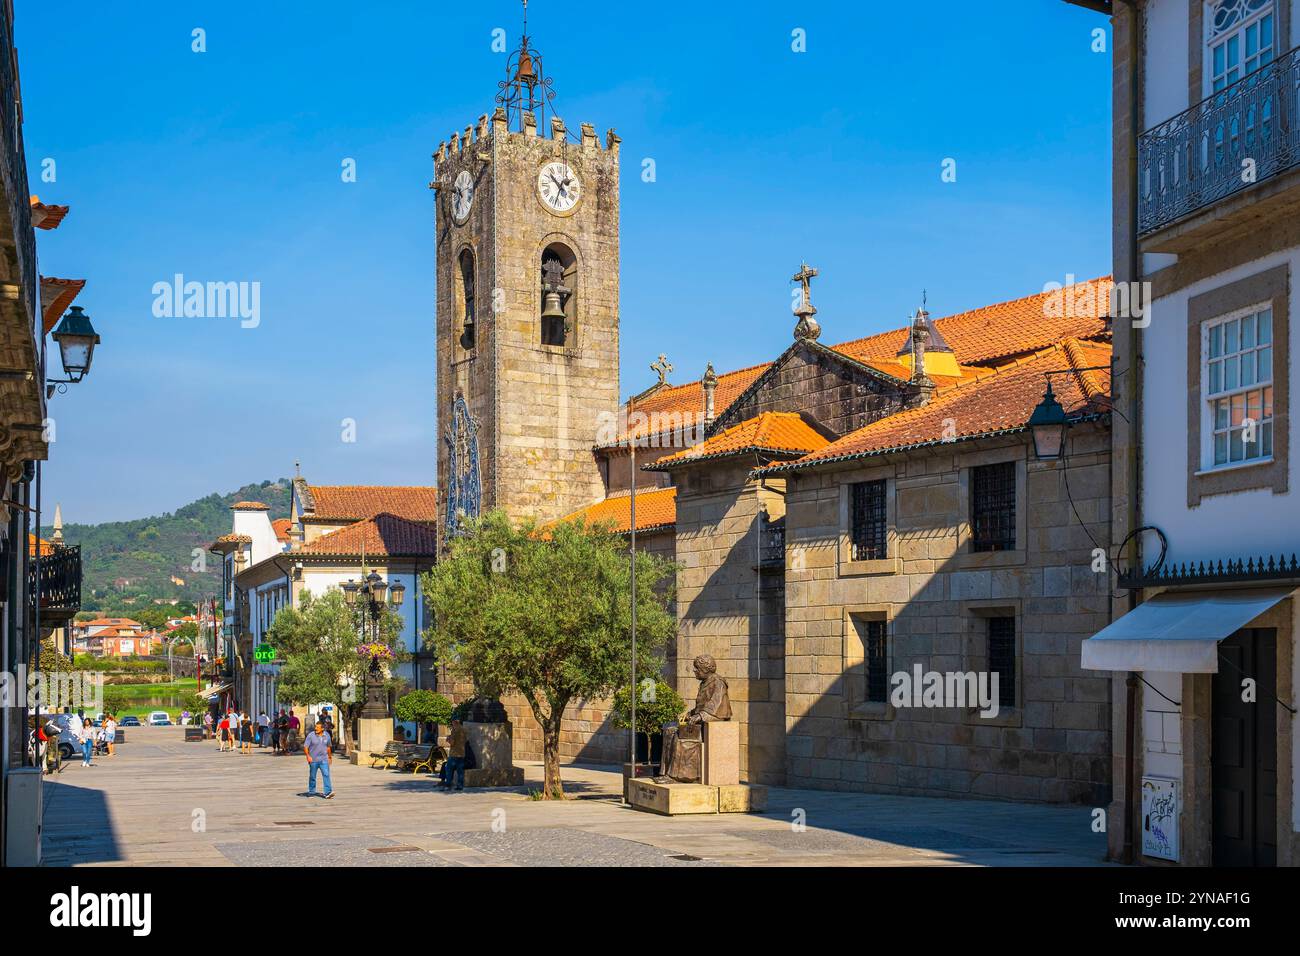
[[462, 195], [558, 188]]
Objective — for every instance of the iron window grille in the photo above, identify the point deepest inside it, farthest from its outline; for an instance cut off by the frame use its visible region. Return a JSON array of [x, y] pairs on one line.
[[993, 507], [877, 662], [1002, 657], [870, 532]]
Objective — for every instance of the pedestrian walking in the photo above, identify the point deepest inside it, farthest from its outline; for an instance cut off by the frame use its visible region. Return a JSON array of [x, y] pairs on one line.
[[207, 725], [223, 729], [319, 756], [263, 729], [110, 734], [86, 731], [246, 736], [277, 729]]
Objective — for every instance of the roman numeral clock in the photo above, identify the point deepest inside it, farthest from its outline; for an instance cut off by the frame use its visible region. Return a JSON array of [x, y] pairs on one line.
[[558, 187]]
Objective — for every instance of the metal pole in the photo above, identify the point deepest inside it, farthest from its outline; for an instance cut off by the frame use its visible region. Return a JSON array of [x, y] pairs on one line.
[[632, 522]]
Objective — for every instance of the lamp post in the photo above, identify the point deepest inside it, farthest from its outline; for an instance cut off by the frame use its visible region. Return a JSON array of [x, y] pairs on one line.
[[1047, 425], [1049, 422], [369, 597], [77, 339]]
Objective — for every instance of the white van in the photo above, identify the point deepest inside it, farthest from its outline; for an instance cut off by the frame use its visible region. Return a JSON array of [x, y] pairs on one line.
[[159, 718]]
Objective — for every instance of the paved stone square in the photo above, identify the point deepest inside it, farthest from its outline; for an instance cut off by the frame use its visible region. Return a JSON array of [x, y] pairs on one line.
[[162, 801]]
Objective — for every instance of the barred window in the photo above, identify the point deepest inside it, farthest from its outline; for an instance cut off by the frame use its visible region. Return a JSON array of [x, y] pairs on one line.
[[1002, 657], [869, 531], [877, 662], [993, 507]]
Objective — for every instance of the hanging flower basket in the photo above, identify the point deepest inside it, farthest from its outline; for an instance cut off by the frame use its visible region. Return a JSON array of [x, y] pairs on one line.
[[375, 651]]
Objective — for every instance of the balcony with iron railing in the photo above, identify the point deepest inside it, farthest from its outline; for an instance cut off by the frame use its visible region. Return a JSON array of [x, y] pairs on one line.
[[771, 544], [56, 577], [1241, 138]]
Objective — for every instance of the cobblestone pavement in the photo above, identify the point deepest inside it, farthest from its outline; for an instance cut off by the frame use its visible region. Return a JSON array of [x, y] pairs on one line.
[[162, 801]]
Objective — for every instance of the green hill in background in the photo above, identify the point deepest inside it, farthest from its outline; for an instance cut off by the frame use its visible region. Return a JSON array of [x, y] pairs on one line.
[[130, 565]]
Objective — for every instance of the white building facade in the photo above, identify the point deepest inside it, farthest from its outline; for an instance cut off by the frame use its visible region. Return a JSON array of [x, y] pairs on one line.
[[1206, 253]]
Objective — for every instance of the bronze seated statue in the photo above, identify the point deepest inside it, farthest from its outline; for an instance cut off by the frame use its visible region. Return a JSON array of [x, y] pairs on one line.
[[684, 742]]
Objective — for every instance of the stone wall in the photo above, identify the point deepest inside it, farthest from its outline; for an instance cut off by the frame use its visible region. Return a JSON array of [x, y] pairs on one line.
[[839, 396], [718, 516], [936, 595]]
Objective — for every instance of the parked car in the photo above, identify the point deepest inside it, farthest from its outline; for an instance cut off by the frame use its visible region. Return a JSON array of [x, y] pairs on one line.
[[160, 718], [131, 721]]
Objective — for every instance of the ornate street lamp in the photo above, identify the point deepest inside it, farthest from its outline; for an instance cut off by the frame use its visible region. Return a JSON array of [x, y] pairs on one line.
[[1047, 425], [77, 339]]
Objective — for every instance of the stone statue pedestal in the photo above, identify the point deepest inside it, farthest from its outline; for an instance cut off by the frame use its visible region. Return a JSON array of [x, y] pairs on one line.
[[678, 799], [373, 734], [493, 746], [721, 754]]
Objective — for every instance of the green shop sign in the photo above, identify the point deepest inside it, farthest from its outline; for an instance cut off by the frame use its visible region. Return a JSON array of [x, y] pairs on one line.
[[264, 653]]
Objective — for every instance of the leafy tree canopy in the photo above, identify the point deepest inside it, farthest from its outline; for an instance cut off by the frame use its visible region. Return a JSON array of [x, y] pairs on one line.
[[547, 613]]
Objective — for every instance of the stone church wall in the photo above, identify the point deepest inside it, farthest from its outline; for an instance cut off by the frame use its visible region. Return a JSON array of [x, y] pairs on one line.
[[1054, 745]]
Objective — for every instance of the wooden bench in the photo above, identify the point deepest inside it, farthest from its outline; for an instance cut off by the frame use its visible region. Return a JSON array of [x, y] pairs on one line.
[[389, 755], [416, 756]]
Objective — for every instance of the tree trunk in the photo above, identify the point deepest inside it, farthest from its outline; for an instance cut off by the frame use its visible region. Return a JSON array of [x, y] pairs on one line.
[[552, 787]]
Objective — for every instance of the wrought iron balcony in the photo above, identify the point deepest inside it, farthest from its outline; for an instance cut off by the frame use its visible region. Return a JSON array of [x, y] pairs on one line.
[[1244, 134], [771, 545], [56, 577]]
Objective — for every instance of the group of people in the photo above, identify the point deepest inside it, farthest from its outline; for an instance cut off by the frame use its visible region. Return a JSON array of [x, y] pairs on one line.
[[90, 739], [237, 730]]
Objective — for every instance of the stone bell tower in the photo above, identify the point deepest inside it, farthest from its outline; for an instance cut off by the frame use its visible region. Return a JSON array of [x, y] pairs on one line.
[[527, 304]]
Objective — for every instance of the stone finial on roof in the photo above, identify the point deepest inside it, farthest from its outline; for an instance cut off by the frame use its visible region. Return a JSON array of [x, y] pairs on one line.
[[807, 327], [710, 384], [57, 537]]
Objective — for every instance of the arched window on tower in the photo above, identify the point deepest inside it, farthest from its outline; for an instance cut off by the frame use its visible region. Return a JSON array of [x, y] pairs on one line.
[[559, 289], [465, 299]]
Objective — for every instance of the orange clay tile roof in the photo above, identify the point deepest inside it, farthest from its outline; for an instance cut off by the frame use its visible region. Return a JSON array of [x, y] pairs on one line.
[[249, 506], [996, 403], [56, 296], [655, 510], [1000, 331], [384, 535], [771, 433], [984, 336], [281, 528], [46, 547], [225, 542], [114, 621], [685, 400], [46, 217], [357, 502]]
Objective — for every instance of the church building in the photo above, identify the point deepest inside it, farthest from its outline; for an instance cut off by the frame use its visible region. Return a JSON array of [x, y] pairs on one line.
[[851, 522]]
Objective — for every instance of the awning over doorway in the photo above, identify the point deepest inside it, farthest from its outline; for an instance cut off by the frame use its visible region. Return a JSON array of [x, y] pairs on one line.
[[213, 690], [1177, 632]]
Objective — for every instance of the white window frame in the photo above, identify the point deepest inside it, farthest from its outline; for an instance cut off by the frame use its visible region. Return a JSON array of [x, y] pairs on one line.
[[1210, 397], [1236, 38]]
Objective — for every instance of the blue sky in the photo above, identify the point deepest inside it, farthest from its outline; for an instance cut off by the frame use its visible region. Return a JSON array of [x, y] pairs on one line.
[[225, 166]]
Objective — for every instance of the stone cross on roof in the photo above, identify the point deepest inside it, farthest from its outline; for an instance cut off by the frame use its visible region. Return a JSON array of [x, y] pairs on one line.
[[662, 366], [807, 327]]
